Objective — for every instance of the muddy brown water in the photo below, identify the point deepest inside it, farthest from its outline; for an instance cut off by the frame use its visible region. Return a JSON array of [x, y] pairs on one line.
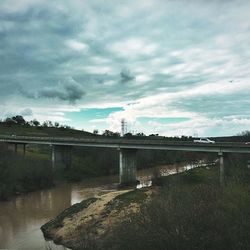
[[23, 215]]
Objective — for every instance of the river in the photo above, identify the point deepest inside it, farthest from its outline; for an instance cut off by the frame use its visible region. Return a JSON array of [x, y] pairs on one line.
[[22, 216]]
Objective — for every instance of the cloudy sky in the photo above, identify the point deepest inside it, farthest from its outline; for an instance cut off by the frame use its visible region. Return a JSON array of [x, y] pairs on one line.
[[172, 67]]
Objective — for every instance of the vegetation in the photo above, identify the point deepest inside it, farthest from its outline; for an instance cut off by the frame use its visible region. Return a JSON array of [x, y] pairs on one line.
[[14, 126], [19, 174], [190, 212], [122, 201], [198, 217]]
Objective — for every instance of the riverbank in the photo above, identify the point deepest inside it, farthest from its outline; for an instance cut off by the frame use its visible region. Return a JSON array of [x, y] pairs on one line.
[[190, 211], [91, 220], [22, 216]]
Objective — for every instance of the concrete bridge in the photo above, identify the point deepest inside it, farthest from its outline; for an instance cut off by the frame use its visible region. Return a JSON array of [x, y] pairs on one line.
[[62, 146]]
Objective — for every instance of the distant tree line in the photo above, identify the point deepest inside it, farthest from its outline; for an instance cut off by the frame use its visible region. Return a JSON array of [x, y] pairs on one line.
[[20, 121]]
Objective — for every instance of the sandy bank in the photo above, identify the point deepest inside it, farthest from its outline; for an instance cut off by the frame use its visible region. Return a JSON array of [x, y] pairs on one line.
[[94, 218]]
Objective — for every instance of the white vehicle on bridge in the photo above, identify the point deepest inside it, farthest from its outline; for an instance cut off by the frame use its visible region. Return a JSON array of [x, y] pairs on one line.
[[204, 140]]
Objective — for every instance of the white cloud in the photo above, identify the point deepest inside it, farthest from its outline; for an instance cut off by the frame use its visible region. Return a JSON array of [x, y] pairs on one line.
[[97, 69], [134, 47], [76, 45], [98, 120], [143, 78]]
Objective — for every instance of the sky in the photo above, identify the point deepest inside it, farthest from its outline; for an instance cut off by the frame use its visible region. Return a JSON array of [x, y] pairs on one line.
[[168, 67]]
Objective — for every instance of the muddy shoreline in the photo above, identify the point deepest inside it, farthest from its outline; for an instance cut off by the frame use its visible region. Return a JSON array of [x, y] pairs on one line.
[[94, 218]]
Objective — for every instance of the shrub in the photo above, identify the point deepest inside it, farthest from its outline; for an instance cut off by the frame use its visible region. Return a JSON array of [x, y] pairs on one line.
[[197, 217]]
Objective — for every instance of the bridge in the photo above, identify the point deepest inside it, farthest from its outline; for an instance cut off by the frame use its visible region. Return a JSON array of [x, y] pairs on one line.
[[61, 149]]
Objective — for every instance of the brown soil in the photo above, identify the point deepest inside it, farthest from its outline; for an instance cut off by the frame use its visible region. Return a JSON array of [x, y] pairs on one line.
[[94, 221]]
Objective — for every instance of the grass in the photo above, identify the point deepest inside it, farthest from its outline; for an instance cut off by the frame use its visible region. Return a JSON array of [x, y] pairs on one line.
[[136, 196], [124, 200], [26, 130], [191, 177]]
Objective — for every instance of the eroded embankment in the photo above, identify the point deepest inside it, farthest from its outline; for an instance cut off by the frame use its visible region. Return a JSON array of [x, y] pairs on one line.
[[94, 218]]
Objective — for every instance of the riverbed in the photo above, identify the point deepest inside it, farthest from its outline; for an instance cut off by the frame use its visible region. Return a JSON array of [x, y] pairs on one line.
[[22, 216]]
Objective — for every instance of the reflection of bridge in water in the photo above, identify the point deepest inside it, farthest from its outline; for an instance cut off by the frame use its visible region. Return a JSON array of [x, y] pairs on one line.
[[61, 150]]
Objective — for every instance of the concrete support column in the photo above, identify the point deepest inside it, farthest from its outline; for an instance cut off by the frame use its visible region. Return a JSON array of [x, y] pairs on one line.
[[127, 172], [24, 149], [248, 164], [16, 147], [222, 170], [61, 156]]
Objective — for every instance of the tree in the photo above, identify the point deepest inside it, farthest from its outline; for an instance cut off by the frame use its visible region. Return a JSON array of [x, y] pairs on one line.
[[110, 133], [245, 133], [95, 131], [9, 121], [140, 134], [19, 120], [35, 123], [50, 124], [128, 135], [56, 124], [45, 124]]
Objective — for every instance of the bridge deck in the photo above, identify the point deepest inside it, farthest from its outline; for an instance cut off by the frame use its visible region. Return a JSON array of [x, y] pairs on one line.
[[130, 143]]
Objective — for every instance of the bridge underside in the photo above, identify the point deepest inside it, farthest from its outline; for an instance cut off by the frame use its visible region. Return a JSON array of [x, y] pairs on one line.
[[62, 147]]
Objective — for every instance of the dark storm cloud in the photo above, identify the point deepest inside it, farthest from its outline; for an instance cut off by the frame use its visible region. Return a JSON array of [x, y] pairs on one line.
[[126, 76], [32, 40], [69, 90]]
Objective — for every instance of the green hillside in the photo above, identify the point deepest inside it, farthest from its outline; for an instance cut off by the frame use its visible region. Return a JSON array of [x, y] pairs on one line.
[[16, 129]]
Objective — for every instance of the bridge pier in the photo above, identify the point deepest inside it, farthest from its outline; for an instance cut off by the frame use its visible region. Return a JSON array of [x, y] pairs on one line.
[[16, 146], [248, 164], [24, 149], [222, 168], [61, 156], [127, 173]]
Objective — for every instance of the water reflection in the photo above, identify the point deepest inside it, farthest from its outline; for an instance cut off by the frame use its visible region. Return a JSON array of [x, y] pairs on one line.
[[22, 217], [26, 213], [145, 176]]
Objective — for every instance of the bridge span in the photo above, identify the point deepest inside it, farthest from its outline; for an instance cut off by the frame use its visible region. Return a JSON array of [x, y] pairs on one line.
[[61, 149]]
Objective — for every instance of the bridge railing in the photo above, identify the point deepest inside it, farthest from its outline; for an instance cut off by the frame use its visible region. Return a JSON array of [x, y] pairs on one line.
[[120, 140]]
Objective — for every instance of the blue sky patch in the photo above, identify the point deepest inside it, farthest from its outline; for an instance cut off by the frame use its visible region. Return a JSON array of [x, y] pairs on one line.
[[85, 118], [163, 120]]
